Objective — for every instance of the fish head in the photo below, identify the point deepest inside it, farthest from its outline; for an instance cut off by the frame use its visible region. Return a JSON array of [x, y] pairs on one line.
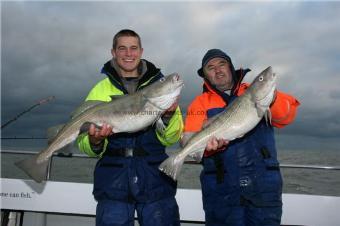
[[263, 88], [164, 92]]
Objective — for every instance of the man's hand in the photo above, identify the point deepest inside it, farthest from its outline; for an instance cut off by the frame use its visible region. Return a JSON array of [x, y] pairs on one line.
[[215, 145], [96, 136]]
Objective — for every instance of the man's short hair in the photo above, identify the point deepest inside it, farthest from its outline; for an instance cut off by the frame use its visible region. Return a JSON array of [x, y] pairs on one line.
[[125, 32]]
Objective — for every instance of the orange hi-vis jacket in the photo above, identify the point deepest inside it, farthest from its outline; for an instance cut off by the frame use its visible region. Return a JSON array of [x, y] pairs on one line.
[[283, 109]]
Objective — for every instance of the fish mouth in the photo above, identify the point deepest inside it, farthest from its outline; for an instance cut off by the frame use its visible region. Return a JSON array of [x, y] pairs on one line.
[[178, 81], [176, 77]]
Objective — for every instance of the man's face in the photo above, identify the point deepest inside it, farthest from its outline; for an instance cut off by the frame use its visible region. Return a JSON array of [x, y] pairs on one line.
[[217, 71], [128, 54]]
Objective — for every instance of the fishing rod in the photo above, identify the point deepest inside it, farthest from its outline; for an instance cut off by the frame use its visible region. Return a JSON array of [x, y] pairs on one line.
[[40, 102]]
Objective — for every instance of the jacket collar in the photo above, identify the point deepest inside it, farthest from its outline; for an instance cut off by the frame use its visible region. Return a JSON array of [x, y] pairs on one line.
[[149, 73]]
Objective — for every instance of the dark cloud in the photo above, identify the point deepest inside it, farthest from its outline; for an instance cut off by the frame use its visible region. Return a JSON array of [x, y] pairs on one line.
[[58, 48]]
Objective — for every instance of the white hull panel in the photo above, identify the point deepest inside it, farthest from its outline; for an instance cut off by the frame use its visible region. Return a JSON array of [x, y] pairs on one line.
[[76, 198]]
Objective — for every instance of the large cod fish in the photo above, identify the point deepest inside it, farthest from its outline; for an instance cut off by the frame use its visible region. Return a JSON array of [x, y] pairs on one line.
[[241, 116], [128, 113]]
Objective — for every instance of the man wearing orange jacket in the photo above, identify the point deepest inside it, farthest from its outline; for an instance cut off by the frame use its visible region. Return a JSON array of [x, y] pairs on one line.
[[241, 180]]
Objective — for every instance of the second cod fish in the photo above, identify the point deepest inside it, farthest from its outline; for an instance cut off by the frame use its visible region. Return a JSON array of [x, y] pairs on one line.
[[241, 116], [128, 113]]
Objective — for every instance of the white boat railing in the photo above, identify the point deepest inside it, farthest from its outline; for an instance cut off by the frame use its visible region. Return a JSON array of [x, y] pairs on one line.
[[70, 155]]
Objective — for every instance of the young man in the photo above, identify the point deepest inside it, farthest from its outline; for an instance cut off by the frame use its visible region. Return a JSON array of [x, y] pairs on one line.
[[241, 180], [126, 177]]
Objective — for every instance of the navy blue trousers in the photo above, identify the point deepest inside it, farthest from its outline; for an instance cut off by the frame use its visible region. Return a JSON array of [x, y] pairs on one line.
[[163, 212], [244, 216]]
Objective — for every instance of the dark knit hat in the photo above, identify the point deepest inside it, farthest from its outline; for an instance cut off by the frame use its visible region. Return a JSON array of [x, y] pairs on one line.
[[212, 53]]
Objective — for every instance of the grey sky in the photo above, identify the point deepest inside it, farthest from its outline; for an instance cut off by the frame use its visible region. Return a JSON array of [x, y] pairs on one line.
[[58, 48]]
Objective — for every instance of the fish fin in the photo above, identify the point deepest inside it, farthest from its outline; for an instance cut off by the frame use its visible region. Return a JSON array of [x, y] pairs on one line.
[[259, 110], [185, 137], [160, 126], [85, 106], [268, 117], [198, 154], [172, 166], [52, 132], [36, 170]]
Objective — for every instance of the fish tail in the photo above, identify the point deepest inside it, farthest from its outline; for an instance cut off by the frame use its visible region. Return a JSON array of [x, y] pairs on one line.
[[172, 166], [37, 170]]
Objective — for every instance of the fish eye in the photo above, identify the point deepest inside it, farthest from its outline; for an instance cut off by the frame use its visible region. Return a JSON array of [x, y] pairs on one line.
[[261, 78], [162, 79]]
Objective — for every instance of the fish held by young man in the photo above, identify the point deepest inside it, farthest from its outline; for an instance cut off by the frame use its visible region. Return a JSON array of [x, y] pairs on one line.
[[127, 113]]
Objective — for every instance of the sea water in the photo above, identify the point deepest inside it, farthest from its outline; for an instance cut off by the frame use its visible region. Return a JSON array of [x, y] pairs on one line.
[[296, 180]]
